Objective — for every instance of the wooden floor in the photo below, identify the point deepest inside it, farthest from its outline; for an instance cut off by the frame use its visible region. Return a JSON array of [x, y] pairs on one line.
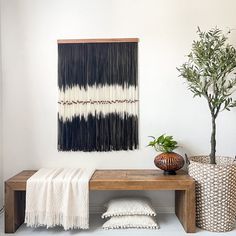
[[182, 183]]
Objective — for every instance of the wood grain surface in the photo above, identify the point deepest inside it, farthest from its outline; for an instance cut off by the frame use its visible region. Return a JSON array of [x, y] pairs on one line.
[[105, 40]]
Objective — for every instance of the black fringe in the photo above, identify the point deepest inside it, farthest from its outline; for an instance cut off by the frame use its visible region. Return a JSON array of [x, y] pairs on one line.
[[98, 133], [87, 64]]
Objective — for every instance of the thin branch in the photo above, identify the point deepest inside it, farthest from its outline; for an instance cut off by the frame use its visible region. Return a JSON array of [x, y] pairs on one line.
[[217, 111], [209, 102]]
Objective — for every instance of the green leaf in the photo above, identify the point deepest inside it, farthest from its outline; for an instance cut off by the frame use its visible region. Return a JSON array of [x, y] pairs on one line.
[[163, 143]]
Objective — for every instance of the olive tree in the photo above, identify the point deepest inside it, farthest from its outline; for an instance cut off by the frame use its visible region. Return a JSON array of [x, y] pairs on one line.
[[210, 73]]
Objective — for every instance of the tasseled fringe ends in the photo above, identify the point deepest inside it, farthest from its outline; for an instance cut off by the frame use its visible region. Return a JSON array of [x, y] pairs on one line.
[[48, 220]]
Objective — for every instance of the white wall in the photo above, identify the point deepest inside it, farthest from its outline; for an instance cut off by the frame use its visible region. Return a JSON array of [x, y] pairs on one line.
[[166, 29]]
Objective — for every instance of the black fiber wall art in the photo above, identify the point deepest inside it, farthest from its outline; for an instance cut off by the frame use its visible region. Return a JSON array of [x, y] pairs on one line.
[[98, 96]]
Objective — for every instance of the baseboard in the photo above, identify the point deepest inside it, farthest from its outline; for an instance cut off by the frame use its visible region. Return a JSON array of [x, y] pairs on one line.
[[100, 209]]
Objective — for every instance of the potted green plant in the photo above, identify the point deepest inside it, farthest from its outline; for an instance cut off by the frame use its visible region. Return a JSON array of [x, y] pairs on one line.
[[209, 72], [168, 160]]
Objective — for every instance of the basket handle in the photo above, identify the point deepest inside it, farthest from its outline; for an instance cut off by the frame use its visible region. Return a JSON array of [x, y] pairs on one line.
[[234, 159], [187, 159]]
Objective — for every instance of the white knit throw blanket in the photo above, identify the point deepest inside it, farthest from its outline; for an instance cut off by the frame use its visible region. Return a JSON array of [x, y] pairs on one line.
[[58, 196]]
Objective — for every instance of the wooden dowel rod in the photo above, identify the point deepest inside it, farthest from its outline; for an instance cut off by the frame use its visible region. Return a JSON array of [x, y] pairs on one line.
[[112, 40]]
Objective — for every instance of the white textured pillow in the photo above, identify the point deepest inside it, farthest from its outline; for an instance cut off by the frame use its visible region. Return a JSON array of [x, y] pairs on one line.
[[135, 221], [129, 206]]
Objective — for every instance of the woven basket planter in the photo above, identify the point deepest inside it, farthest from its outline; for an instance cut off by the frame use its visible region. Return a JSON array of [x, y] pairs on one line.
[[215, 192]]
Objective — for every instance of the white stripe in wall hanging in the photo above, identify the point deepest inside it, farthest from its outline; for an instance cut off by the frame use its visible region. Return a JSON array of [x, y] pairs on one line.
[[98, 96]]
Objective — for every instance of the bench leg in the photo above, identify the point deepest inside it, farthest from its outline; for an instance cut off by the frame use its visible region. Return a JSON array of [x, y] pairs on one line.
[[185, 208], [14, 209]]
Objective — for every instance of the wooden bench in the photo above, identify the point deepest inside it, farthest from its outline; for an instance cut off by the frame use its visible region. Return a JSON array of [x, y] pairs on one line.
[[182, 183]]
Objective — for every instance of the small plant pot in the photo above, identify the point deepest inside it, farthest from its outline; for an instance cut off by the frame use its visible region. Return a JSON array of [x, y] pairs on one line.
[[169, 162], [215, 192]]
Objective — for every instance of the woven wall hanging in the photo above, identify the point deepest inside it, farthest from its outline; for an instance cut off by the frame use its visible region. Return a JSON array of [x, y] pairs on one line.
[[98, 95]]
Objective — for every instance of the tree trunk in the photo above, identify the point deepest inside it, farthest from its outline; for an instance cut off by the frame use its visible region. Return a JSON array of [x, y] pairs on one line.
[[213, 142]]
